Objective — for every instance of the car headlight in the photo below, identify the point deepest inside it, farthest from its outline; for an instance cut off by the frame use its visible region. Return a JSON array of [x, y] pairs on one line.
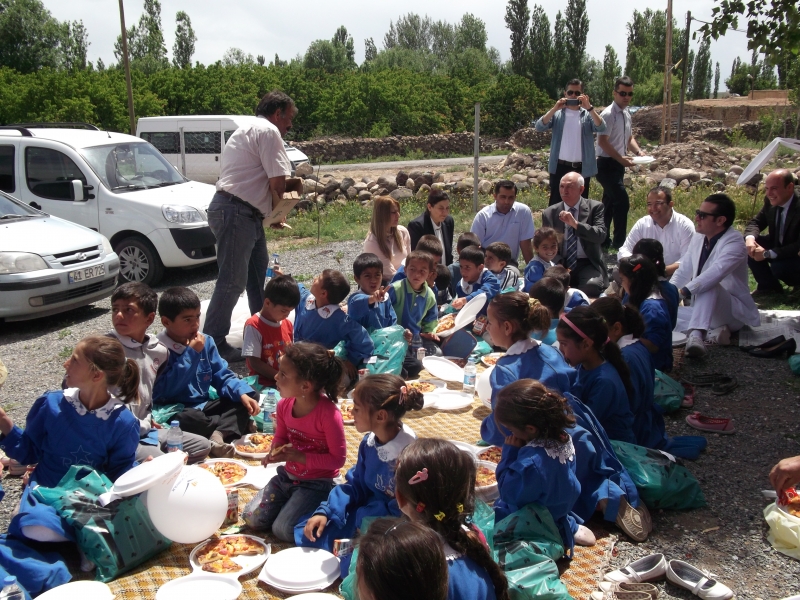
[[20, 262], [181, 214], [107, 249]]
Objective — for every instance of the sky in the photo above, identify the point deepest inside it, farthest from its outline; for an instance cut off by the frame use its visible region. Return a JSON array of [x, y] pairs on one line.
[[268, 27]]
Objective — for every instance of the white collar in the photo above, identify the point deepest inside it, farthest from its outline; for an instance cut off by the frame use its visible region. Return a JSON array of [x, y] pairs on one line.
[[626, 340], [656, 295], [468, 287], [71, 395], [171, 344], [522, 346], [563, 451], [149, 341], [267, 321], [325, 312], [451, 553], [546, 263], [389, 451]]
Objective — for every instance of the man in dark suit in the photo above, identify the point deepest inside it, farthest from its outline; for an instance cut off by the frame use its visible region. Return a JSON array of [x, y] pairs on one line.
[[774, 257], [436, 220], [581, 222]]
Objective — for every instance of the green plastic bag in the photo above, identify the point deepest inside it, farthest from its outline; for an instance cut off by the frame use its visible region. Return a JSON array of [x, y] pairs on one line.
[[794, 363], [390, 350], [662, 482], [116, 537], [668, 393], [481, 349], [163, 413]]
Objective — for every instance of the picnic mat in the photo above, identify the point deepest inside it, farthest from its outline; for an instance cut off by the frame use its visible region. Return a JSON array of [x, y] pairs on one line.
[[581, 575]]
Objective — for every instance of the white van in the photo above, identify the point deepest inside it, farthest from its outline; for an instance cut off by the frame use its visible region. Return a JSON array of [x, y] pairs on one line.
[[193, 144], [115, 184]]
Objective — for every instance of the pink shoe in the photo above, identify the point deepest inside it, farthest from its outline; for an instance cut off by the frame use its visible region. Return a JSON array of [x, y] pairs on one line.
[[710, 424], [688, 399]]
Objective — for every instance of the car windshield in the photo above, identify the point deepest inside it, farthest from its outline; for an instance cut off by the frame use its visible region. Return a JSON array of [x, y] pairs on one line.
[[131, 166], [11, 209]]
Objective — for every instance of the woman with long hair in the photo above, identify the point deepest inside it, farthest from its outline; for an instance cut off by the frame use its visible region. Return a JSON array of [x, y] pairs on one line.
[[387, 239]]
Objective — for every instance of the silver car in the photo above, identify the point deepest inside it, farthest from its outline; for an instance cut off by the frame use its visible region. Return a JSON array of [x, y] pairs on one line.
[[48, 265]]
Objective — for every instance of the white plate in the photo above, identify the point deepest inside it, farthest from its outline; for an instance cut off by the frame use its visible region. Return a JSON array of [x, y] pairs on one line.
[[443, 369], [256, 477], [448, 332], [201, 586], [452, 400], [489, 492], [244, 440], [347, 421], [470, 310], [494, 355], [147, 474], [483, 449], [300, 569], [430, 397], [643, 160], [484, 387], [466, 447], [85, 590], [678, 338], [248, 563]]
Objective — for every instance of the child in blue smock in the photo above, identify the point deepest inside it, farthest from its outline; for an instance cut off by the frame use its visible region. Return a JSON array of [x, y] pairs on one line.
[[512, 317], [368, 306], [429, 244], [603, 379], [475, 279], [545, 244], [379, 403], [653, 250], [639, 279], [538, 464], [320, 319], [625, 325], [415, 303], [550, 292], [573, 297], [84, 424]]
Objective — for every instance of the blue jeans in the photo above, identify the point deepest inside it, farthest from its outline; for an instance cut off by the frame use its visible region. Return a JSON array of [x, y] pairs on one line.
[[242, 258], [284, 502]]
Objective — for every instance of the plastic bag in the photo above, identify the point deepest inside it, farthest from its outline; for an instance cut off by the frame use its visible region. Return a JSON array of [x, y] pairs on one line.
[[794, 363], [662, 482], [481, 349], [667, 393], [390, 350], [163, 413], [784, 531], [116, 537]]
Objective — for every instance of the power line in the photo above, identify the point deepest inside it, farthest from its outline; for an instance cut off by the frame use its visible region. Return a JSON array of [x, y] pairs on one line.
[[729, 28]]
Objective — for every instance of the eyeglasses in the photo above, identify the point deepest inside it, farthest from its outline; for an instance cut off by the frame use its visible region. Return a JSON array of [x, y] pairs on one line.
[[573, 92], [624, 94], [702, 215]]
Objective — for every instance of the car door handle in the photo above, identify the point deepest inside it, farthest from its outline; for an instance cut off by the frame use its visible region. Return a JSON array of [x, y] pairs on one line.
[[36, 205], [216, 159]]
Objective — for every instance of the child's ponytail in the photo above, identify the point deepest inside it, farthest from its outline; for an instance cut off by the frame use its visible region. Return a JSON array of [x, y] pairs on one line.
[[528, 313], [643, 277], [612, 354], [317, 365], [107, 355], [390, 393], [613, 311], [129, 381]]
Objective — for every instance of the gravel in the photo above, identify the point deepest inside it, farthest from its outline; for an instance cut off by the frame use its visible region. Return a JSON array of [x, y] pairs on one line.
[[732, 472]]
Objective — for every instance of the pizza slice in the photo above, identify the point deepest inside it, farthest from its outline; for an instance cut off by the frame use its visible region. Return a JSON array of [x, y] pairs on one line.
[[223, 565], [245, 546]]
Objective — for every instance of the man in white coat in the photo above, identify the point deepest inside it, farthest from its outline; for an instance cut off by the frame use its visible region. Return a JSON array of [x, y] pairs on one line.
[[713, 275]]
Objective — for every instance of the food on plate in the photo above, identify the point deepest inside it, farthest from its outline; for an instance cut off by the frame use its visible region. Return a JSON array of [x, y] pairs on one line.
[[423, 387], [446, 323], [493, 454], [490, 360], [216, 555], [223, 565], [485, 477], [790, 500], [459, 362], [256, 444], [227, 472], [347, 411]]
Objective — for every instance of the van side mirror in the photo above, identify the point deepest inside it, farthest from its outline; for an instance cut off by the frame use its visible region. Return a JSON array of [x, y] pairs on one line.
[[77, 191]]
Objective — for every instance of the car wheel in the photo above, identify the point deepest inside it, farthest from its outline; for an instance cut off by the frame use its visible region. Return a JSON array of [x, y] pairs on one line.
[[138, 261]]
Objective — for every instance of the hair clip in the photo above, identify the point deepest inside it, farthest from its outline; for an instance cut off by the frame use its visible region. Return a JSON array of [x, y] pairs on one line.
[[331, 354], [439, 516], [393, 527], [460, 507], [403, 395], [575, 328], [420, 476], [637, 267], [420, 507]]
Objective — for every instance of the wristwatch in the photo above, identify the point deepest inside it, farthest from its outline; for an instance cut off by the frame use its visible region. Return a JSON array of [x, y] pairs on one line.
[[684, 293], [590, 109]]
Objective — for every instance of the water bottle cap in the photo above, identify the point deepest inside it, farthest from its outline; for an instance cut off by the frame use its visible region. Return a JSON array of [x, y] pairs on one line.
[[9, 580], [174, 424], [471, 360]]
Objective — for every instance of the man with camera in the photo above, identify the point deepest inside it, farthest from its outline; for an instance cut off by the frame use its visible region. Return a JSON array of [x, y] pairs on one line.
[[574, 122]]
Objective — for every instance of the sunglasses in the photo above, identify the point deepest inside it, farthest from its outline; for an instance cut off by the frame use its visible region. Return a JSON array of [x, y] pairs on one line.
[[624, 94], [573, 92], [702, 215]]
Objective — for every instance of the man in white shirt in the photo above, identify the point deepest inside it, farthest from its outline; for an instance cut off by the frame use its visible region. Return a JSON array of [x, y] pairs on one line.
[[506, 220], [662, 223], [254, 165]]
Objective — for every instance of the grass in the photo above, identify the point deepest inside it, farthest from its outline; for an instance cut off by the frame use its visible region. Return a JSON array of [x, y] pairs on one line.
[[65, 352], [64, 333]]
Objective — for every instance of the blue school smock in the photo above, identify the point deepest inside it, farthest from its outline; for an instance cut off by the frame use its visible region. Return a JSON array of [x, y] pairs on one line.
[[467, 580], [61, 432], [602, 390], [416, 311], [669, 292], [486, 284], [550, 337], [574, 300], [36, 572], [601, 475], [541, 472], [534, 271], [328, 325], [525, 359], [370, 316], [189, 374], [658, 330], [400, 274], [368, 492]]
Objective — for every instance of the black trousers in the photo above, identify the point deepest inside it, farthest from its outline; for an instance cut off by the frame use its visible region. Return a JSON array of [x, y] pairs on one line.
[[587, 278], [769, 273], [616, 203], [229, 418], [555, 181]]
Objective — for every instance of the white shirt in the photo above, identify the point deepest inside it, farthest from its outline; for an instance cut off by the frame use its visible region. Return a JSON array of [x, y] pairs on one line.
[[571, 138], [618, 129], [253, 155], [771, 254], [437, 231], [674, 236]]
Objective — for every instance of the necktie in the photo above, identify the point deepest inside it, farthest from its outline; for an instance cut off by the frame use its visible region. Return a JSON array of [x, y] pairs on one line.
[[779, 223], [571, 249]]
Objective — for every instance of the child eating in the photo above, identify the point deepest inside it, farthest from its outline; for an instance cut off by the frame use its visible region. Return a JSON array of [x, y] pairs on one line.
[[475, 279], [545, 244], [414, 302], [498, 258]]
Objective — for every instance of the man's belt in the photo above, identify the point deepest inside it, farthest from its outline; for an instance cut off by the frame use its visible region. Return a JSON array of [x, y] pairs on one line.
[[238, 200], [574, 165]]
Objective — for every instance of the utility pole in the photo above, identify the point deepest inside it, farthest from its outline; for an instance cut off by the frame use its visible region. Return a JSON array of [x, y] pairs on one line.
[[666, 117], [477, 153], [126, 58], [684, 76]]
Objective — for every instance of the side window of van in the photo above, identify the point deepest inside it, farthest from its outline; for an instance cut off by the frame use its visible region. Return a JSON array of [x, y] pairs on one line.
[[202, 142], [50, 173], [228, 135], [7, 169], [166, 142]]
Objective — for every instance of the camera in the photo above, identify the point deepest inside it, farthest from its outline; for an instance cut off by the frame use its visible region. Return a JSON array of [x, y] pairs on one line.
[[573, 102]]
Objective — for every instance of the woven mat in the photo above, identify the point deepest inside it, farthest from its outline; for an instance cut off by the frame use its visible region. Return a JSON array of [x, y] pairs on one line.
[[581, 576]]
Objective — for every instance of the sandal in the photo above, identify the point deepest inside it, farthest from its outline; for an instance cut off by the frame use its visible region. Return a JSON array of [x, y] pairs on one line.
[[703, 379], [648, 588], [688, 398], [621, 595], [725, 385], [636, 522], [693, 579], [649, 568], [710, 424]]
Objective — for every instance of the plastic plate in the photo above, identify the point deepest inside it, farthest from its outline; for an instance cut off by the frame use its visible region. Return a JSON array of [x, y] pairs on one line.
[[678, 338], [430, 397], [443, 369], [489, 360], [248, 563], [643, 160], [487, 493], [300, 570], [470, 310], [484, 387], [201, 586], [452, 400], [244, 441]]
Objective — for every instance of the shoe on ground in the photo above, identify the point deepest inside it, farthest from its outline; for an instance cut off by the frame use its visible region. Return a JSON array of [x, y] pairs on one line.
[[609, 587], [584, 536], [693, 579], [720, 336], [710, 424], [221, 450], [229, 353], [620, 595], [695, 348], [649, 568], [635, 522]]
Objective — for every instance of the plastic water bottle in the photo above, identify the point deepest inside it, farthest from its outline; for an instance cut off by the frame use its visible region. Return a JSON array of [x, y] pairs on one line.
[[273, 264], [416, 344], [11, 589], [268, 407], [174, 437], [470, 375]]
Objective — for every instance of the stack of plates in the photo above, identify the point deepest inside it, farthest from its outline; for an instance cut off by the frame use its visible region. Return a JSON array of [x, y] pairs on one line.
[[298, 570]]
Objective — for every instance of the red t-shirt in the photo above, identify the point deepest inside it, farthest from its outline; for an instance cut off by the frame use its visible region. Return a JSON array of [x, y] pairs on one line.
[[267, 341]]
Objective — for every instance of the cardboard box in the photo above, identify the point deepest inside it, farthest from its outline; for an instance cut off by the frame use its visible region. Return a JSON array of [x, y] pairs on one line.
[[281, 207]]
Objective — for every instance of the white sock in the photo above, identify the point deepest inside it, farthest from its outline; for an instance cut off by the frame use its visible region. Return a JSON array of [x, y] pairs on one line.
[[698, 333]]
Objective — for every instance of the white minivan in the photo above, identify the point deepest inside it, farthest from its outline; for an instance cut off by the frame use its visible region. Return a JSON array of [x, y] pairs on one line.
[[116, 184], [193, 144]]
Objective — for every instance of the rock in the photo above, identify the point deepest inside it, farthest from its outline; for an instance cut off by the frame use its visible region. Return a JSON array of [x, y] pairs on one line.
[[387, 182], [304, 169], [341, 200], [423, 190], [522, 186], [368, 180], [681, 174], [438, 178], [737, 169], [346, 183], [402, 193], [380, 191], [427, 177], [310, 186], [416, 174], [304, 204], [684, 184], [401, 178], [731, 178], [519, 178], [351, 192], [668, 183], [436, 186], [650, 182], [331, 185], [485, 186], [373, 188], [627, 181], [364, 196], [360, 186], [463, 187], [456, 178], [719, 186], [705, 182], [411, 184]]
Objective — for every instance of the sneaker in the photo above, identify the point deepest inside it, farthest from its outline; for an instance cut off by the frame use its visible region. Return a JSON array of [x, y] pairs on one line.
[[720, 336], [229, 353], [695, 348], [636, 522]]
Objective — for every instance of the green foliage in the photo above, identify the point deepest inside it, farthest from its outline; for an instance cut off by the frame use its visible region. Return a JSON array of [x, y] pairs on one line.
[[517, 16], [541, 51], [701, 74], [577, 28], [511, 104], [30, 38], [558, 58], [338, 54], [185, 39], [146, 48], [651, 91], [716, 80], [647, 34], [758, 75], [611, 70]]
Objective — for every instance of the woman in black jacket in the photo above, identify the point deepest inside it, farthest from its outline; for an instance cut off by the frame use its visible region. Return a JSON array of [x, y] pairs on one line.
[[436, 220]]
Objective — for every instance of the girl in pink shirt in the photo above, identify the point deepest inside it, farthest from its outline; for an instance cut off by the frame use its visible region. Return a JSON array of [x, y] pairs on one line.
[[309, 437]]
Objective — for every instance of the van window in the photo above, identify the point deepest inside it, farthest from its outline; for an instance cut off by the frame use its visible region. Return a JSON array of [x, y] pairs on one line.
[[228, 135], [167, 142], [50, 173], [202, 142], [7, 168]]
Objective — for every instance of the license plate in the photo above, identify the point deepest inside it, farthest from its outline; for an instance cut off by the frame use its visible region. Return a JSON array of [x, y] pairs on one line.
[[82, 275]]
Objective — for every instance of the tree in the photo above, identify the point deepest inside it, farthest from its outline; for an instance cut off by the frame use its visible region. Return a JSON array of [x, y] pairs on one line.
[[701, 73], [470, 33], [758, 75], [278, 62], [370, 51], [261, 59], [517, 16], [185, 38], [338, 54], [647, 33], [345, 41], [146, 47], [411, 32], [235, 57], [716, 81], [559, 56], [101, 66], [540, 50], [577, 28], [611, 70], [443, 40], [29, 36], [74, 44]]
